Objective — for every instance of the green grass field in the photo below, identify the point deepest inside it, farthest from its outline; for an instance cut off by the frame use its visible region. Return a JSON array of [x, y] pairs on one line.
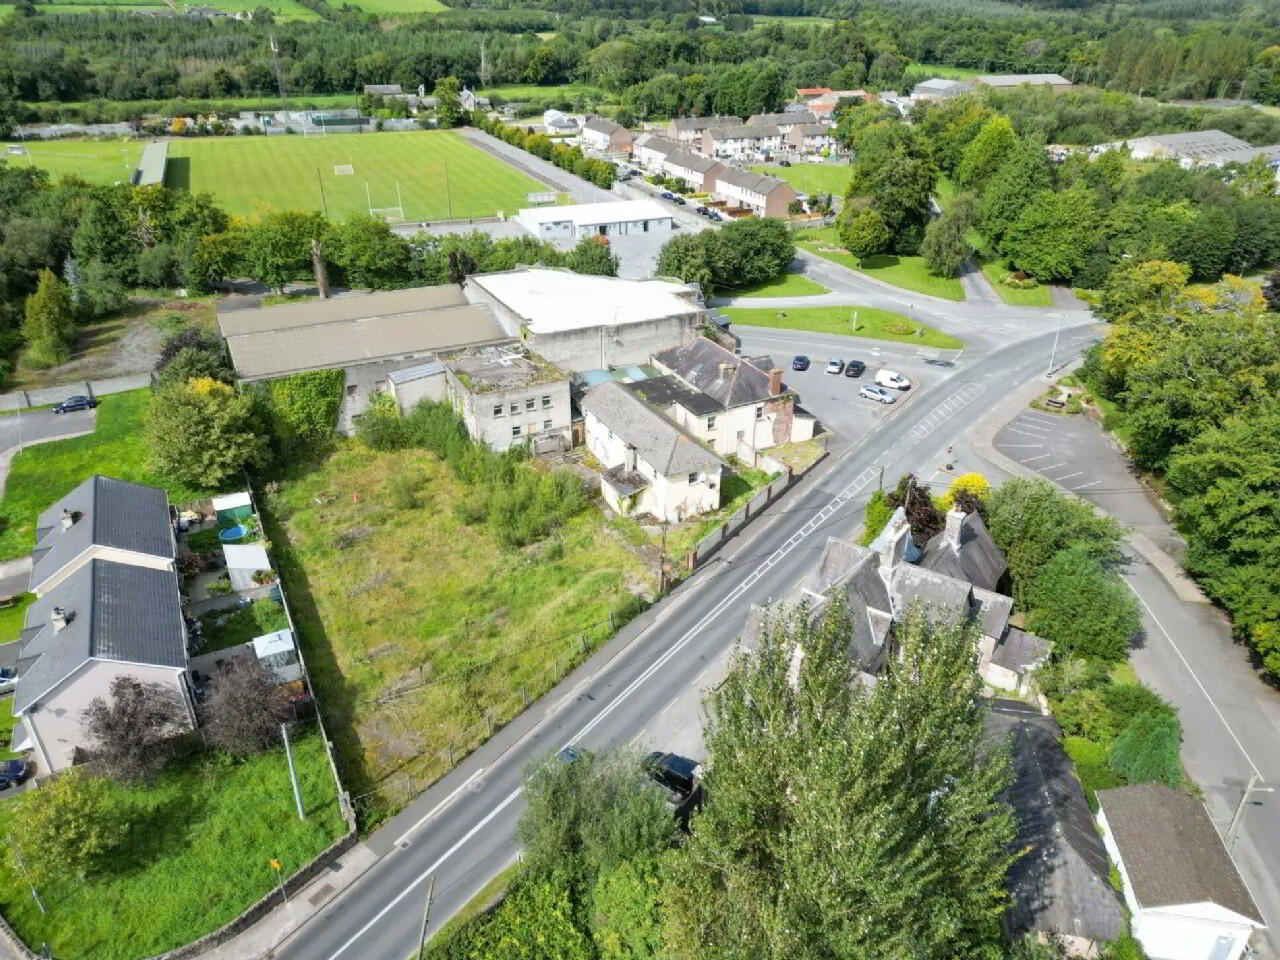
[[11, 619], [196, 851], [98, 161], [439, 174], [873, 324], [910, 273], [787, 285], [810, 178], [1037, 296]]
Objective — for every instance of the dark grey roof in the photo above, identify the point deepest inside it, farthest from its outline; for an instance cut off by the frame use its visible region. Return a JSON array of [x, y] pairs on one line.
[[976, 559], [814, 130], [942, 596], [108, 513], [626, 482], [1171, 851], [755, 182], [658, 441], [418, 371], [854, 571], [702, 123], [603, 125], [1018, 650], [699, 364], [790, 116], [992, 611], [115, 611], [746, 131], [1060, 884], [691, 161], [663, 391], [659, 144]]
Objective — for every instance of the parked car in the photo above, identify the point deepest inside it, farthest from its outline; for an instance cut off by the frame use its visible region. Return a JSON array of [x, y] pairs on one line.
[[667, 195], [713, 215], [8, 679], [855, 368], [570, 755], [678, 774], [835, 365], [878, 394], [701, 211], [784, 163], [78, 402], [13, 772], [679, 201], [890, 378], [801, 362]]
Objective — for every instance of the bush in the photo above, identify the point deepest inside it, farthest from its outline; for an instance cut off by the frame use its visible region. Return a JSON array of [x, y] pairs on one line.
[[303, 411], [876, 515], [1147, 750]]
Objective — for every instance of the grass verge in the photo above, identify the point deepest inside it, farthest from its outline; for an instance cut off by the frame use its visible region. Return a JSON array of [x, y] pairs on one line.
[[487, 895], [42, 473], [1037, 296], [739, 486], [787, 285], [7, 722], [873, 323], [910, 273], [196, 855]]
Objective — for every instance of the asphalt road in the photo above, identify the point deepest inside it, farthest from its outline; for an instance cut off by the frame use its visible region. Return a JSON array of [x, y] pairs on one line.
[[462, 832], [32, 425]]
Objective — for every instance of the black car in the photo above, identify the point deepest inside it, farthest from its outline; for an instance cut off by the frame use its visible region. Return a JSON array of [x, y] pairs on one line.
[[678, 774], [700, 211], [784, 163], [679, 201], [77, 402], [712, 215], [13, 772], [800, 363], [855, 368]]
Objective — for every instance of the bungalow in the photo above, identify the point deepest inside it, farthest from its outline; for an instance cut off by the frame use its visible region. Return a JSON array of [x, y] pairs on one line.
[[1187, 899], [742, 140], [649, 150], [698, 173], [688, 130], [556, 122], [812, 138], [651, 465], [762, 195], [602, 134]]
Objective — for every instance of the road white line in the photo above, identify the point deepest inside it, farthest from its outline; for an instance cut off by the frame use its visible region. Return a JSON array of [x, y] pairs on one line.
[[636, 739], [1041, 457], [1091, 483], [438, 807], [1050, 466], [1012, 446], [1040, 418], [1212, 703], [1078, 473], [1026, 433], [1037, 427]]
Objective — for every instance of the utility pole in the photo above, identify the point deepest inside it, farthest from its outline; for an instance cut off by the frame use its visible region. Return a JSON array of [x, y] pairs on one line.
[[1053, 354], [1255, 786], [448, 197], [293, 774], [426, 914]]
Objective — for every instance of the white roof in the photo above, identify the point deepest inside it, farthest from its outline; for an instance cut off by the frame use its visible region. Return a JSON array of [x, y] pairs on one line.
[[232, 500], [550, 300], [270, 643], [590, 214], [246, 556]]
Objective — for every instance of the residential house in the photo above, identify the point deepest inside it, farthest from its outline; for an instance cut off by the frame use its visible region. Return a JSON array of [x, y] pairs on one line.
[[741, 141], [609, 219], [688, 131], [762, 195], [1186, 897], [783, 121], [1006, 81], [698, 173], [508, 395], [736, 405], [470, 100], [812, 138], [939, 88], [102, 519], [651, 465], [602, 134], [558, 123], [649, 150], [1059, 886], [104, 620], [824, 107]]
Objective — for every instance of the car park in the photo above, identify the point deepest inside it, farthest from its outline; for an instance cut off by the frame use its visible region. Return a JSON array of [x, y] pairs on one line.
[[835, 366], [891, 378], [878, 394], [855, 368], [78, 402], [13, 772], [801, 362]]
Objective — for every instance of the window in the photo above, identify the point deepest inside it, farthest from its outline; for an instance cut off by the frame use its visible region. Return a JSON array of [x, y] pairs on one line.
[[546, 402], [515, 431], [759, 413], [515, 408], [546, 424], [497, 409], [693, 478], [528, 404], [711, 423]]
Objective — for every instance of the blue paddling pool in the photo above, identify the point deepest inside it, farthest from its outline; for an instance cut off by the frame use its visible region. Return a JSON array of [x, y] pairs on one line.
[[231, 534]]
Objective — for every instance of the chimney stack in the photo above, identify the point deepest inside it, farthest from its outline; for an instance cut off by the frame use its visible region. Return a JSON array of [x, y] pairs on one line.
[[726, 371], [629, 462], [775, 382], [68, 519], [58, 617], [951, 533], [893, 541]]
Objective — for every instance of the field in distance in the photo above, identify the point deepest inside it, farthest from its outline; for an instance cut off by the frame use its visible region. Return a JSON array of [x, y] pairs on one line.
[[97, 161], [282, 9], [440, 175]]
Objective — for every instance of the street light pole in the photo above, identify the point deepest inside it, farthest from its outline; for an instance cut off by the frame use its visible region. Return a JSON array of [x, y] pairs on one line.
[[1053, 354], [426, 914], [1255, 786]]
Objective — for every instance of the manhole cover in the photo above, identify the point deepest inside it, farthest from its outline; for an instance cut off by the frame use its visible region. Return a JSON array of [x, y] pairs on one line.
[[321, 895]]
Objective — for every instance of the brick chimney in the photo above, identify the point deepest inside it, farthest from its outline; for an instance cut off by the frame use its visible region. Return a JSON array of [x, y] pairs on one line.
[[775, 382], [726, 371]]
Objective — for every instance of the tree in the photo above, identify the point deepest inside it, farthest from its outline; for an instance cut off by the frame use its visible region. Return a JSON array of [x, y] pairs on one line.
[[844, 820], [369, 254], [191, 363], [210, 260], [448, 102], [986, 153], [202, 433], [893, 174], [968, 491], [1024, 173], [245, 708], [277, 249], [946, 249], [49, 322], [131, 734], [924, 518], [1147, 750], [1053, 234], [626, 910], [862, 232], [1081, 607], [593, 255], [64, 829]]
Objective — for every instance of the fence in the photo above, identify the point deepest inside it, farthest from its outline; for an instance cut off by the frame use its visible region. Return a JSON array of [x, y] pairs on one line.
[[708, 545], [22, 399]]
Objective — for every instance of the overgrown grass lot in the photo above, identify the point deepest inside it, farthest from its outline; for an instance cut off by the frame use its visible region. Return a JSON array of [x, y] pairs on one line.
[[414, 624], [873, 323], [439, 174], [195, 856], [787, 285], [910, 273], [42, 473]]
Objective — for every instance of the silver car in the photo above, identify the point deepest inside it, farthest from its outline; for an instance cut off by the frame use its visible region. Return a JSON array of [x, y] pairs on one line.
[[878, 394]]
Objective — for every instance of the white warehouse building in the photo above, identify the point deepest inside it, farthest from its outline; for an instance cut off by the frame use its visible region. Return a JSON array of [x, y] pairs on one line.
[[580, 220]]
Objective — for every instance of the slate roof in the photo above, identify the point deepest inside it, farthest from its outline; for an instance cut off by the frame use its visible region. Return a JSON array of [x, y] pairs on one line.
[[702, 123], [115, 611], [652, 141], [755, 182], [698, 364], [941, 595], [603, 125], [669, 389], [748, 131], [1019, 651], [691, 161], [854, 571], [773, 119], [657, 440], [814, 130], [1060, 885], [109, 513], [977, 559], [1171, 851]]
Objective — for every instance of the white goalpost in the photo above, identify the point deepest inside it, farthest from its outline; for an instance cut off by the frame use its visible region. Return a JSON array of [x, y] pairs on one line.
[[390, 214]]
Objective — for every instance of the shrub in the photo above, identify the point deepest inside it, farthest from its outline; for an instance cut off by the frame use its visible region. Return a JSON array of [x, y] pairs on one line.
[[1081, 607], [876, 515], [967, 487], [303, 410], [1147, 750]]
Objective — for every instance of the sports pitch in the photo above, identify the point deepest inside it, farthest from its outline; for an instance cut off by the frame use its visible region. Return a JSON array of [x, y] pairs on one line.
[[97, 161], [440, 176]]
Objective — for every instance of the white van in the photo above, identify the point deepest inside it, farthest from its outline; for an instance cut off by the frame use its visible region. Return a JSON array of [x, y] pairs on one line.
[[890, 378]]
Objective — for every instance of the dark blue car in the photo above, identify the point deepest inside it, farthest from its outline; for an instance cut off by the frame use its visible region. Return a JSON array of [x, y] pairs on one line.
[[800, 363], [13, 772], [77, 402]]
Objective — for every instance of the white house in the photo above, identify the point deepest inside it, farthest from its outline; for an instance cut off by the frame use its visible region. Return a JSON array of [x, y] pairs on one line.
[[651, 465], [763, 195], [1186, 897], [783, 121], [649, 150], [687, 131], [605, 136], [556, 122], [508, 395], [741, 141], [698, 172], [575, 221], [812, 138]]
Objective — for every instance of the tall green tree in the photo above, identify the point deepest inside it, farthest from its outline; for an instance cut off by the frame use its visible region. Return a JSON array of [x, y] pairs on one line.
[[278, 247], [49, 322], [1023, 173], [1052, 235], [986, 153], [862, 231], [65, 829], [448, 94], [946, 248], [843, 821], [203, 433], [593, 255], [369, 254], [1086, 611]]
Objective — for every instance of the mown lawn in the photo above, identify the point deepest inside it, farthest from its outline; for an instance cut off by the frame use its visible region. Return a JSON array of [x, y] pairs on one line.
[[11, 617], [1037, 296], [873, 323], [740, 485], [42, 473], [98, 161], [787, 285], [388, 598], [910, 273], [195, 855], [810, 178]]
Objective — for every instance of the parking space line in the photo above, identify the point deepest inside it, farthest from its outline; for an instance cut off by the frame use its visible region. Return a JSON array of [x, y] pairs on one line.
[[1033, 427], [1041, 457], [1026, 433], [1050, 466], [1078, 473], [1011, 446], [1040, 417], [1091, 483]]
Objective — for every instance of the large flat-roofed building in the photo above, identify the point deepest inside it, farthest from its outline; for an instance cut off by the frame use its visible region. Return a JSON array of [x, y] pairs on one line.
[[580, 220], [508, 395], [1006, 80], [580, 322], [1189, 148]]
